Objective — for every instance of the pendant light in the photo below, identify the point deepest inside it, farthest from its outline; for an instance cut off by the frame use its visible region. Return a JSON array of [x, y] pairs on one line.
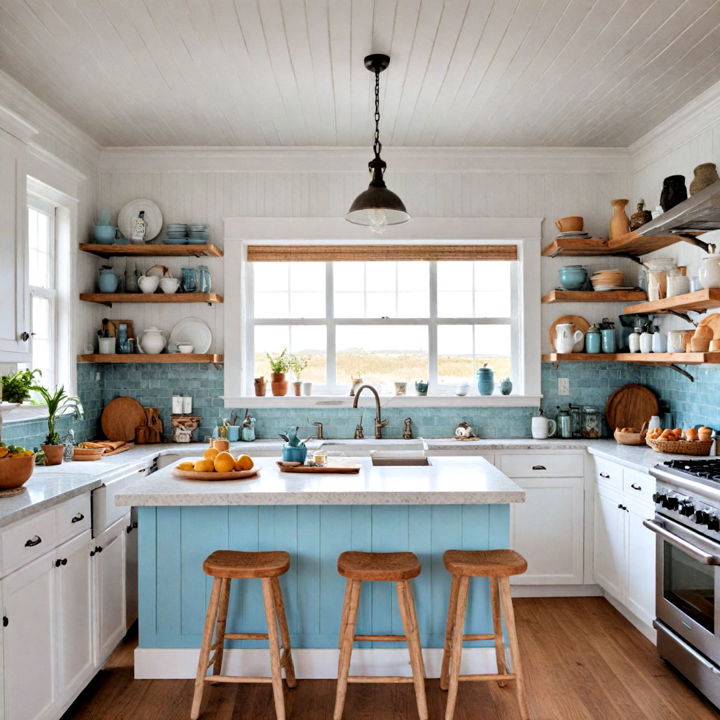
[[377, 206]]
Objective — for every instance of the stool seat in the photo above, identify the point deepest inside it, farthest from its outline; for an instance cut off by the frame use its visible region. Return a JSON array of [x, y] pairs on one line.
[[232, 564], [484, 563], [395, 566]]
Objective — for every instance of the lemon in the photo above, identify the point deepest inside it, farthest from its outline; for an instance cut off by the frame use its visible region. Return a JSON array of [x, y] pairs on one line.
[[224, 462], [204, 465], [244, 462], [187, 465], [210, 453]]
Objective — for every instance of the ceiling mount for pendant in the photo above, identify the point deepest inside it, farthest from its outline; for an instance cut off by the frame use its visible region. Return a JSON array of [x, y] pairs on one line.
[[377, 206]]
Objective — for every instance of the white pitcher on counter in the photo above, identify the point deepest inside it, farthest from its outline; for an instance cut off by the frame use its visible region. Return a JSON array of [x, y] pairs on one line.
[[566, 338]]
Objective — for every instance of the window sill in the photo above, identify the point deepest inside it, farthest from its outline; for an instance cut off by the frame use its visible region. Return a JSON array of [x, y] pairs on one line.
[[387, 401], [24, 413]]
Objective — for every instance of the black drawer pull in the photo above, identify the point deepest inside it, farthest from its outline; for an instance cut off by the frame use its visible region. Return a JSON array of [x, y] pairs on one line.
[[604, 475], [622, 507], [539, 467], [77, 518], [635, 486], [33, 541]]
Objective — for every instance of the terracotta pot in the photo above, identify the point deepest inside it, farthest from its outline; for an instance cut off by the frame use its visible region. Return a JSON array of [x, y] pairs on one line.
[[53, 454], [278, 384], [260, 387], [704, 175], [297, 388], [673, 192], [15, 471], [619, 223], [221, 444]]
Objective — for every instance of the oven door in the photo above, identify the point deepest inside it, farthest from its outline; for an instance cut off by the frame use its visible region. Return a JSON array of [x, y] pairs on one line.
[[688, 585]]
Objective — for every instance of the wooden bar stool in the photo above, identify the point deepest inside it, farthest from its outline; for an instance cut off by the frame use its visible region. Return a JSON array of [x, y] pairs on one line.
[[399, 568], [227, 565], [498, 566]]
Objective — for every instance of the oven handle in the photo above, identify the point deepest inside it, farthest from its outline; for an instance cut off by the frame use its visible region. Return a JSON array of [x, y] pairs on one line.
[[684, 545]]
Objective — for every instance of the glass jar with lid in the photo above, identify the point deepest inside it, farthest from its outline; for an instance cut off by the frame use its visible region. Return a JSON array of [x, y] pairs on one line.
[[591, 423]]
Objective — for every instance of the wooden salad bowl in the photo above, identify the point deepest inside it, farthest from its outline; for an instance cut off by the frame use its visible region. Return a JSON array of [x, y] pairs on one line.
[[15, 471]]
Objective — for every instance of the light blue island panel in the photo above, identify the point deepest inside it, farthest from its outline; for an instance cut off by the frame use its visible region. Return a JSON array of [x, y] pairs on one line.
[[174, 591]]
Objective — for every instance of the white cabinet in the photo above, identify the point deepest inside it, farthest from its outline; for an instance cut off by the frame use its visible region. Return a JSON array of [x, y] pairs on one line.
[[14, 345], [30, 644], [109, 588], [640, 577], [74, 628], [548, 528], [609, 540]]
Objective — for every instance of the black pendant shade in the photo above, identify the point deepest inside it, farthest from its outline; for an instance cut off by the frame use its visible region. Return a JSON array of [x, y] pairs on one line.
[[377, 206]]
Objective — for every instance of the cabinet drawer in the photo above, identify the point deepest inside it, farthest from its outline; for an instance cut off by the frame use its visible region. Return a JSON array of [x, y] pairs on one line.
[[72, 517], [538, 464], [638, 485], [27, 539], [609, 473]]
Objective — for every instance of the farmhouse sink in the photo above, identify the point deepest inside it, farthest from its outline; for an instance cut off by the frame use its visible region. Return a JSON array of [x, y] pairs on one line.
[[370, 446], [398, 461]]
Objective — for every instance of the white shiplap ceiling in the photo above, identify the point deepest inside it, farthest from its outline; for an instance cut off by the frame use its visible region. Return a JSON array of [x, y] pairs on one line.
[[290, 72]]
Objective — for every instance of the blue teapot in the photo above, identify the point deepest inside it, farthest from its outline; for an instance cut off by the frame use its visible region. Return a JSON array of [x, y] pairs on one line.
[[294, 449]]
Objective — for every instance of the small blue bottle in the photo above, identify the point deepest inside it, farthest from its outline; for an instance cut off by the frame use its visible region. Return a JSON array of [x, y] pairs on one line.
[[485, 380]]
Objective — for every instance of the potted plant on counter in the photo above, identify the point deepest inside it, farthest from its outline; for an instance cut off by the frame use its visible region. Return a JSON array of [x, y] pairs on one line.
[[279, 365], [297, 365], [58, 403]]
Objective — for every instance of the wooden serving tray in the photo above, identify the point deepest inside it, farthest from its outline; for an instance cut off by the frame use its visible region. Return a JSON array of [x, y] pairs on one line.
[[234, 475], [296, 468]]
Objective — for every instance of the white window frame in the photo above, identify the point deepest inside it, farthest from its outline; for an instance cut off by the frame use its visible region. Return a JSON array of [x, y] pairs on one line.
[[525, 233]]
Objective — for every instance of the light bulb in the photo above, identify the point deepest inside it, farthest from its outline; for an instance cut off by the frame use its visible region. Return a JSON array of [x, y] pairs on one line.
[[378, 220]]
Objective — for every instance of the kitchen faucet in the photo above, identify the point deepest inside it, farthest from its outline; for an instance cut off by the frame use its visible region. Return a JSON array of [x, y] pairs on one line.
[[379, 422], [319, 435]]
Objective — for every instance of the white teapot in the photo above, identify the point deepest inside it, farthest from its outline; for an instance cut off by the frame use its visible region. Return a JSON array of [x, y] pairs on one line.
[[566, 338], [152, 341]]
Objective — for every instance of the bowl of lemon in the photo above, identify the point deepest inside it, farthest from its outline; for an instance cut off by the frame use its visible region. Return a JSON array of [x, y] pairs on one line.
[[16, 466], [216, 465]]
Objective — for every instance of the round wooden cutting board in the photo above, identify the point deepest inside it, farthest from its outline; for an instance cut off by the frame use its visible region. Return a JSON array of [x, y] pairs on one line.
[[120, 417], [233, 475], [631, 406], [578, 322], [713, 322]]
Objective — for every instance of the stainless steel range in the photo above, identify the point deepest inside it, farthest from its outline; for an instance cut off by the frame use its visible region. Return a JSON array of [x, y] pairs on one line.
[[687, 525]]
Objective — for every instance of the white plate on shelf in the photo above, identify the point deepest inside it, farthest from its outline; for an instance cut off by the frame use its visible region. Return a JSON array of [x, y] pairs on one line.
[[153, 218], [192, 331]]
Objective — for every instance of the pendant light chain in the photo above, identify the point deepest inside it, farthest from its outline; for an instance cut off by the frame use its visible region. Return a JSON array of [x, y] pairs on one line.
[[377, 145]]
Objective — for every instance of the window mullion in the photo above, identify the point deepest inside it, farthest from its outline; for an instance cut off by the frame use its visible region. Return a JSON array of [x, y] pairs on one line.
[[432, 328], [331, 354]]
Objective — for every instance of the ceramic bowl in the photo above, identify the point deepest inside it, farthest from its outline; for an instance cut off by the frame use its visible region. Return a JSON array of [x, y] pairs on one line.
[[169, 285], [185, 348], [15, 471], [105, 234], [148, 283], [572, 223], [572, 277]]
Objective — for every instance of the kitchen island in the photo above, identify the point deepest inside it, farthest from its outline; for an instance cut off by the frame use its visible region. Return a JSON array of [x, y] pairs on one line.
[[450, 503]]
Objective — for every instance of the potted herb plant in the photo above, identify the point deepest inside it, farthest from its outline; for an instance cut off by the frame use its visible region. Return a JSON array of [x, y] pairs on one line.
[[279, 365], [297, 365], [16, 387], [58, 403]]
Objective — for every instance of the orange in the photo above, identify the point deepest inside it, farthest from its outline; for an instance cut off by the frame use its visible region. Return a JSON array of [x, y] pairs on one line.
[[210, 453], [204, 466], [244, 462], [3, 452], [187, 465], [224, 462]]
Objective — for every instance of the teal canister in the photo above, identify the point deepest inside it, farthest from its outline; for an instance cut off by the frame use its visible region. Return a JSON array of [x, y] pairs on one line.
[[564, 424], [485, 380], [608, 340], [593, 340]]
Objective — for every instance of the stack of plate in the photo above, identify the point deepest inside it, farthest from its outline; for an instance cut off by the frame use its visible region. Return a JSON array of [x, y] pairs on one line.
[[572, 234], [607, 280], [176, 233], [198, 234]]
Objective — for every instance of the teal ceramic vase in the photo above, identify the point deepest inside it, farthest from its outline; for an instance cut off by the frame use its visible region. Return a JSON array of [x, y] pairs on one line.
[[485, 381]]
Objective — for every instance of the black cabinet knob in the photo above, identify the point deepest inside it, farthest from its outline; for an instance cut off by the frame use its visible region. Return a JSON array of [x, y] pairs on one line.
[[58, 562]]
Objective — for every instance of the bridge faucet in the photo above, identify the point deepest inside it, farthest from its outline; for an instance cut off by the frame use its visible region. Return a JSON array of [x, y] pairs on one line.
[[379, 422]]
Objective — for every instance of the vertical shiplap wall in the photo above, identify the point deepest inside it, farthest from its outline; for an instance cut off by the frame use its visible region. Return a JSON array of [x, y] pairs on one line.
[[210, 196]]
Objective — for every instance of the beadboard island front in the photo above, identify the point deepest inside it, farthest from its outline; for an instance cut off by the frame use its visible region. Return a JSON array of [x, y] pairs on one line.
[[450, 503]]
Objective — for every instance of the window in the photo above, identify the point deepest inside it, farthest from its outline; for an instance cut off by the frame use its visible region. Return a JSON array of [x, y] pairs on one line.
[[408, 315], [42, 287]]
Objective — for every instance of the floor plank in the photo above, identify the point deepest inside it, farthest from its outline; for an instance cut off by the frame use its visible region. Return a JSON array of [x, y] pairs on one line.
[[583, 661]]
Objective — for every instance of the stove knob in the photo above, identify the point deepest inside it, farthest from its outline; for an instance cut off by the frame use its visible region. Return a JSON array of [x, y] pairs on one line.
[[659, 497], [701, 517], [713, 523], [687, 508], [671, 503]]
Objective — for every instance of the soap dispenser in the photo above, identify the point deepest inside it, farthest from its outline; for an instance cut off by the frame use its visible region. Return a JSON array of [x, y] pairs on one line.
[[646, 339], [634, 340]]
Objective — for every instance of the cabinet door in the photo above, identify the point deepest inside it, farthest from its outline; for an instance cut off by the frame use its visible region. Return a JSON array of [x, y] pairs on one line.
[[609, 554], [13, 251], [131, 569], [29, 640], [547, 529], [640, 554], [109, 589], [75, 617]]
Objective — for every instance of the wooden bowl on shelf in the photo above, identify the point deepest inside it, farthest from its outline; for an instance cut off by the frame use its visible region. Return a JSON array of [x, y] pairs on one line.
[[15, 471]]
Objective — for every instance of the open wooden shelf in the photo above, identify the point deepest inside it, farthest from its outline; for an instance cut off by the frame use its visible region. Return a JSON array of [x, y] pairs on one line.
[[631, 244], [110, 298], [699, 301], [154, 358], [150, 250], [697, 358], [585, 296]]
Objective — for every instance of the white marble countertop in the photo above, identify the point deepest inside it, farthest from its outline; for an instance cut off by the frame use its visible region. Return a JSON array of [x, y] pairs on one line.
[[638, 457], [445, 481]]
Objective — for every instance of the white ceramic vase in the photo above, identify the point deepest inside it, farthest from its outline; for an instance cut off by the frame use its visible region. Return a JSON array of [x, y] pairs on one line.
[[152, 341]]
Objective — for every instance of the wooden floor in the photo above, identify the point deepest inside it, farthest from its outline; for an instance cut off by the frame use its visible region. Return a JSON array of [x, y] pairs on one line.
[[582, 659]]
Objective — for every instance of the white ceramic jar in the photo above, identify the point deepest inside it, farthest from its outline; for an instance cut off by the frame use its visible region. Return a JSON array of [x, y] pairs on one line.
[[710, 272], [152, 341]]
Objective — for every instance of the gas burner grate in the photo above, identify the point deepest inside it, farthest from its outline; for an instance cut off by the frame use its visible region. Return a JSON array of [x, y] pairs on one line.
[[707, 468]]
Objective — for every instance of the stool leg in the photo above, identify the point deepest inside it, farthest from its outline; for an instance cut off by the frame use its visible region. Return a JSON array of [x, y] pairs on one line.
[[205, 649], [497, 629], [345, 611], [347, 635], [449, 626], [286, 659], [456, 646], [514, 646], [277, 684], [220, 626], [409, 620]]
